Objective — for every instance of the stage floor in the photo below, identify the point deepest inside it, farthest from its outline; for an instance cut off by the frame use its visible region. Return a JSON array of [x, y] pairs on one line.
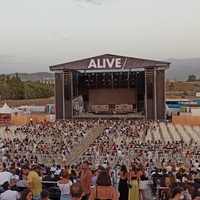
[[109, 116]]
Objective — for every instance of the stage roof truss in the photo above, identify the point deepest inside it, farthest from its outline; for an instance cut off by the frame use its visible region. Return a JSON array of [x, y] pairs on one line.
[[111, 63]]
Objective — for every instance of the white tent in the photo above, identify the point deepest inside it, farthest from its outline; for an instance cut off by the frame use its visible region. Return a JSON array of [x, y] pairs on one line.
[[6, 109]]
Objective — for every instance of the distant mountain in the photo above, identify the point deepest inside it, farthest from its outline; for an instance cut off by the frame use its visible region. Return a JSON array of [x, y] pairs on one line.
[[41, 76], [180, 69]]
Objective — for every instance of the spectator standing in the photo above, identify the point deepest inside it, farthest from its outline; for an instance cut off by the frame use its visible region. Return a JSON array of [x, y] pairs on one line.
[[34, 182], [104, 189], [85, 180], [123, 188], [142, 181], [134, 190], [64, 185]]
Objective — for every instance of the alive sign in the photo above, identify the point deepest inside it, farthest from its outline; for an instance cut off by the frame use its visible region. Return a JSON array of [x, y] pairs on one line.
[[105, 63]]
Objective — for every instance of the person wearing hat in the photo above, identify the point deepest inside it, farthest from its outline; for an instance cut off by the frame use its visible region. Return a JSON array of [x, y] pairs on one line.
[[9, 194], [34, 182]]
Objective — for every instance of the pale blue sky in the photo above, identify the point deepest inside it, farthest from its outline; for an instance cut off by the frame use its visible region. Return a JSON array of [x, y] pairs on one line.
[[36, 34]]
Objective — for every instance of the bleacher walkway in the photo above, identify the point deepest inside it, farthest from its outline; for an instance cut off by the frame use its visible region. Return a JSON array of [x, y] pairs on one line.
[[83, 146], [148, 194]]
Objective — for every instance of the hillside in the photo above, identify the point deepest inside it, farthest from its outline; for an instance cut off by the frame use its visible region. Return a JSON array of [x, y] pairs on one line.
[[180, 69], [39, 76]]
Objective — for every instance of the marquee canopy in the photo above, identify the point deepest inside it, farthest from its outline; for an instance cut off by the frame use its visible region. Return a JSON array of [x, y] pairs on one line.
[[110, 62], [6, 109]]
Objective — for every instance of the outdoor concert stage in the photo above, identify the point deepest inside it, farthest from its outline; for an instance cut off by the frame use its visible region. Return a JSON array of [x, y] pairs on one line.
[[111, 84]]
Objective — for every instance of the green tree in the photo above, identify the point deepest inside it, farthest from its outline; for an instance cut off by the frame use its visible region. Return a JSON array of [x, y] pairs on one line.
[[17, 88], [182, 96], [14, 88], [171, 86], [191, 78], [2, 88], [185, 93], [36, 90]]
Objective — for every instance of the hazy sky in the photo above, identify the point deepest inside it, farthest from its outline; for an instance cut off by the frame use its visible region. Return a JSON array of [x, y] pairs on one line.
[[35, 34]]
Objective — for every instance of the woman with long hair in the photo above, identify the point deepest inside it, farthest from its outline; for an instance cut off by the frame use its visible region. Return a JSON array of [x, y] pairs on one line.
[[172, 179], [177, 193], [26, 195], [142, 181], [134, 188], [103, 189], [123, 188], [64, 185]]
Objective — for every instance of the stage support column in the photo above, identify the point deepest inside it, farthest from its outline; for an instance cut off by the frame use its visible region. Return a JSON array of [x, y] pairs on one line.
[[155, 94], [68, 95], [145, 95], [136, 92], [59, 95], [150, 94], [160, 93], [64, 95], [155, 105]]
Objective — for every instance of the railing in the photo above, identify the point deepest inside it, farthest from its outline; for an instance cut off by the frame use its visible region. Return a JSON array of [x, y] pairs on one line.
[[158, 188]]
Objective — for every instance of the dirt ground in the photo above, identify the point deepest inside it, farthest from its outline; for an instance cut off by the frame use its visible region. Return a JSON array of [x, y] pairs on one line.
[[183, 86]]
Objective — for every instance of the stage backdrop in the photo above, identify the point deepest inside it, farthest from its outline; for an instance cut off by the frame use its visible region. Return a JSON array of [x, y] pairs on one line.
[[113, 96]]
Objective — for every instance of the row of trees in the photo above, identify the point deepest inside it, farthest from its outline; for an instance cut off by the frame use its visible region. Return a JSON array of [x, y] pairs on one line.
[[14, 88]]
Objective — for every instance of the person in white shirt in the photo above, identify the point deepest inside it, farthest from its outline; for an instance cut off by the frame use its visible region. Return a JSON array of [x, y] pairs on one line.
[[4, 158], [9, 194], [64, 185], [53, 168], [196, 164], [3, 150], [5, 176], [58, 170]]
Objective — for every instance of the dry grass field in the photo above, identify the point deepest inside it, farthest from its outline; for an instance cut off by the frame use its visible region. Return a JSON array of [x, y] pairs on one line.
[[183, 86], [176, 89]]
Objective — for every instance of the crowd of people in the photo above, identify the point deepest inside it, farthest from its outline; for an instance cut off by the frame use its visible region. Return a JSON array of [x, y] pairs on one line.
[[121, 162], [43, 142]]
